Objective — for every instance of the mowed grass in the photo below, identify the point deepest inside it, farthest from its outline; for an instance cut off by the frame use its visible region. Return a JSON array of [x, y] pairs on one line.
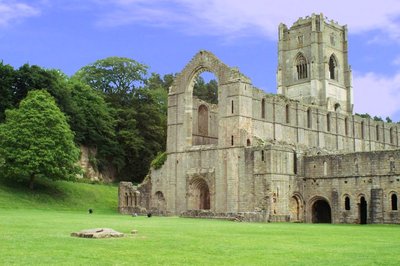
[[41, 236]]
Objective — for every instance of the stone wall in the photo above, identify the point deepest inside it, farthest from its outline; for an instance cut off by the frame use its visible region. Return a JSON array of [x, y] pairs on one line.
[[375, 176], [287, 121]]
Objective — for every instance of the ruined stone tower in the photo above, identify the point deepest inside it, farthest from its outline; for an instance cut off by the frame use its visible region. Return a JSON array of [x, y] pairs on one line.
[[313, 63]]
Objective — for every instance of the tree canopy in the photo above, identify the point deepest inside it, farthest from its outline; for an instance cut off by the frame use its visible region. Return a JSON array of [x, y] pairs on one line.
[[36, 141], [139, 105]]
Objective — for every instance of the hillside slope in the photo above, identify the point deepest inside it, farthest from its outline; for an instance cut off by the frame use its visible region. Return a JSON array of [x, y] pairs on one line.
[[60, 195]]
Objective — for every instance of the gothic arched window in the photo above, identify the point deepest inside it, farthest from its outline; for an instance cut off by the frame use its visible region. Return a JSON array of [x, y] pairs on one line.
[[301, 67], [347, 203], [332, 67]]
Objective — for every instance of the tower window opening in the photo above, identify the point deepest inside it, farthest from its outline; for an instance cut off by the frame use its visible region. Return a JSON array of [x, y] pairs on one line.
[[301, 67], [232, 140], [332, 68], [346, 126], [262, 156], [232, 109]]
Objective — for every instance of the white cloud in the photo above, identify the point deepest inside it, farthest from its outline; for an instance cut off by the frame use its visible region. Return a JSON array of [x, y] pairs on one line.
[[14, 11], [238, 17], [377, 94], [396, 61]]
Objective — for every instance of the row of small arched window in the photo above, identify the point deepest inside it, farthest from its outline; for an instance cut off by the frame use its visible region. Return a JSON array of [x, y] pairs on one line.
[[393, 202]]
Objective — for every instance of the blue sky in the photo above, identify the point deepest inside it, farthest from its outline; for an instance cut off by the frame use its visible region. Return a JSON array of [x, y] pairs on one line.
[[166, 34]]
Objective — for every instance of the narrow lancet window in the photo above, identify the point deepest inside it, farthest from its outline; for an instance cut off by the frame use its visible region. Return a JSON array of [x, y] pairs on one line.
[[347, 203], [332, 67], [263, 108], [394, 202]]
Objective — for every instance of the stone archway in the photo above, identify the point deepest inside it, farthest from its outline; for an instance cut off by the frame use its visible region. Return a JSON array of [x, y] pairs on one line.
[[181, 93], [199, 195], [296, 208], [159, 202], [321, 211]]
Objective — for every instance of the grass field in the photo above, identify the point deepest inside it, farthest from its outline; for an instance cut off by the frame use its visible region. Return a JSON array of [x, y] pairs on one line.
[[41, 235]]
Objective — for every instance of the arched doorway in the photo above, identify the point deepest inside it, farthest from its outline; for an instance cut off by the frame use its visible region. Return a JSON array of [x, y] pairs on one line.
[[296, 209], [363, 210], [159, 202], [199, 195], [204, 198], [321, 212]]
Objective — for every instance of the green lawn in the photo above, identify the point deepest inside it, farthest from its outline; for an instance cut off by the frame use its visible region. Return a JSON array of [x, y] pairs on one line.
[[42, 236]]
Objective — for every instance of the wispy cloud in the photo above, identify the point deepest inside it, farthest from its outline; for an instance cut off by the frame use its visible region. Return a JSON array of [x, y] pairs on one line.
[[237, 17], [396, 61], [377, 94], [15, 11]]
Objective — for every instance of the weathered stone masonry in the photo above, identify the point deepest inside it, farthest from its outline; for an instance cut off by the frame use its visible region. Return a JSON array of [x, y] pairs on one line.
[[300, 155]]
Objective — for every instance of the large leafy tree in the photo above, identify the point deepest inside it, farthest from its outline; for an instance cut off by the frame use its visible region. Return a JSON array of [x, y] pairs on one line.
[[140, 110], [36, 141]]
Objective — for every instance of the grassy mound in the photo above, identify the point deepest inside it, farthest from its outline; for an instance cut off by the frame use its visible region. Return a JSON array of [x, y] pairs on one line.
[[59, 195]]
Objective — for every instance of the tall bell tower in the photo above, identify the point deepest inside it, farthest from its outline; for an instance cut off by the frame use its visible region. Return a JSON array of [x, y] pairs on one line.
[[313, 63]]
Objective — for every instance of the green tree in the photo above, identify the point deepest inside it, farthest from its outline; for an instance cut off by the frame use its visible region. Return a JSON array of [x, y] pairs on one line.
[[37, 142], [93, 122], [114, 76], [7, 74], [34, 77]]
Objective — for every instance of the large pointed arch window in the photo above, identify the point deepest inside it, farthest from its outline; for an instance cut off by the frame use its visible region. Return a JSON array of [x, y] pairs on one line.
[[301, 67], [332, 67]]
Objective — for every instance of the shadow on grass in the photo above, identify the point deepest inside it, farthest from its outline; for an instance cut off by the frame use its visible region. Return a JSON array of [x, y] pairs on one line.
[[43, 187]]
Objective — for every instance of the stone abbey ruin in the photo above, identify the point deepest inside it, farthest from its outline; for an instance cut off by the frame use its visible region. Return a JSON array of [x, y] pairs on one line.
[[300, 155]]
